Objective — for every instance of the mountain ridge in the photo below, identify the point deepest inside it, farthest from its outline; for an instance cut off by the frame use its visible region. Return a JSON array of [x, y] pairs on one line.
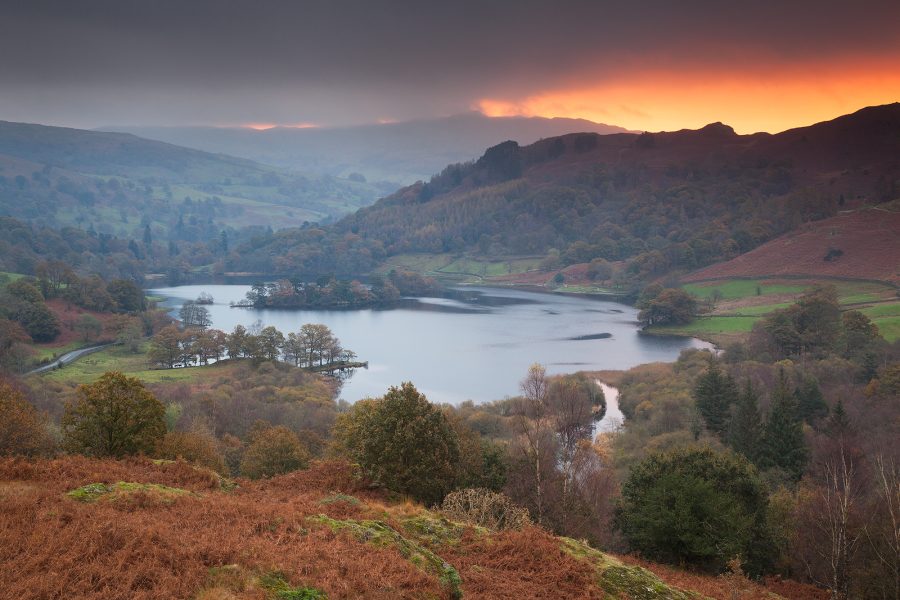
[[404, 151]]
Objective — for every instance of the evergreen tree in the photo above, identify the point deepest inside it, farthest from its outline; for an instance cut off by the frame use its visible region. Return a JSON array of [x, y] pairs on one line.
[[745, 431], [838, 422], [714, 394], [810, 404], [784, 445]]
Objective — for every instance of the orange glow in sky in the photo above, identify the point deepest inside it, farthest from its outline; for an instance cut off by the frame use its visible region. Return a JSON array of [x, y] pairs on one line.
[[759, 101], [264, 126]]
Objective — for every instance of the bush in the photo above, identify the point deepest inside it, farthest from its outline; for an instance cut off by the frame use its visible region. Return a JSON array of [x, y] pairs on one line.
[[695, 507], [484, 508], [114, 416], [197, 447], [273, 451]]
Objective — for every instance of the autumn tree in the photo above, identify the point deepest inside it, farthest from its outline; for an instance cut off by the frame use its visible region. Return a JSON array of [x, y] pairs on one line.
[[23, 429], [114, 416], [127, 295], [88, 326], [402, 442], [273, 451], [166, 347], [671, 307]]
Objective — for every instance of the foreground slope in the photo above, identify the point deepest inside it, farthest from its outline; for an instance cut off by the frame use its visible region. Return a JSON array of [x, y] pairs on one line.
[[84, 528]]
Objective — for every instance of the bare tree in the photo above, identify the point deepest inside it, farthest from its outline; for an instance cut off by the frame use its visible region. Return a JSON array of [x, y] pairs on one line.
[[886, 541], [532, 421]]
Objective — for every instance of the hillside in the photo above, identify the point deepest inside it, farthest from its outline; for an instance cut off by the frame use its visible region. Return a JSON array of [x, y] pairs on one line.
[[138, 529], [664, 202], [862, 244], [402, 152], [118, 183]]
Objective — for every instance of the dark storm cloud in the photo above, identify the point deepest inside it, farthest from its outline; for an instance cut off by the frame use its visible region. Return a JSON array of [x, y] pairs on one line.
[[91, 62]]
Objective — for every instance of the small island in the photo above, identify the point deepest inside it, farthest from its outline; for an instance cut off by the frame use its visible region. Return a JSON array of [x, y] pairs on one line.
[[328, 292]]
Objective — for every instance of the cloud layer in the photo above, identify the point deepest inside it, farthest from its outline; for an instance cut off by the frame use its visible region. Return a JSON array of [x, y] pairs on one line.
[[99, 62]]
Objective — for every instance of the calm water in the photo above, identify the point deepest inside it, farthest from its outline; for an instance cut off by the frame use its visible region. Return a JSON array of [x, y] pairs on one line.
[[476, 349]]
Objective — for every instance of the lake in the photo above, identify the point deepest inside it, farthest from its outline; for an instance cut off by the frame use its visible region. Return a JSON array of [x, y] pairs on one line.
[[478, 347]]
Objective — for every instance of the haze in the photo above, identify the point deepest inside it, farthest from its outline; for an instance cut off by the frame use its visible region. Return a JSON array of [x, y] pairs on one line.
[[646, 66]]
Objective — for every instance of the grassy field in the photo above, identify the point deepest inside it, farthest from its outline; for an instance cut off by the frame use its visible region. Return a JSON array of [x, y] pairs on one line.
[[710, 325], [118, 358], [47, 352], [742, 288], [744, 301], [459, 268]]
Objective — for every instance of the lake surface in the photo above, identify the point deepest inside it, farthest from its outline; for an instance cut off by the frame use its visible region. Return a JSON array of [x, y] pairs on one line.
[[477, 348]]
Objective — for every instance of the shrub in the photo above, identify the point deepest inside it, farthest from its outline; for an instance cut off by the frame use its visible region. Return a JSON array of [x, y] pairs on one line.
[[196, 447], [484, 508], [273, 451]]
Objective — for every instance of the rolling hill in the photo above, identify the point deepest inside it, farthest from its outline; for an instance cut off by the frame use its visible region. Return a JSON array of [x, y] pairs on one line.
[[118, 183], [401, 152]]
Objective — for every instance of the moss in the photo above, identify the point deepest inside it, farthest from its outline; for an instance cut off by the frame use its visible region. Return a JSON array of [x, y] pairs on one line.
[[340, 498], [436, 530], [624, 581], [382, 534], [124, 489], [278, 588]]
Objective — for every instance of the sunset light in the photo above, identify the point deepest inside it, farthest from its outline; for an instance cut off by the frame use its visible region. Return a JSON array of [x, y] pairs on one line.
[[762, 100], [265, 126]]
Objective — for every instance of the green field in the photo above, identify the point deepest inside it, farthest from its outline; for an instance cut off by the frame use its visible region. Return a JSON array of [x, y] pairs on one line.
[[734, 289], [737, 317], [118, 358], [456, 267], [706, 326], [42, 352], [849, 292], [756, 311]]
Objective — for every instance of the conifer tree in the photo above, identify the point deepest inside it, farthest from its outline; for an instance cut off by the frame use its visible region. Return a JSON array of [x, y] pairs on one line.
[[810, 404], [714, 394], [783, 440], [745, 431]]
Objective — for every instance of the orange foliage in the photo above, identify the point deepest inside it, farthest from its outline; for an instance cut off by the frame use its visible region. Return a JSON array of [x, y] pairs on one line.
[[52, 546], [718, 588]]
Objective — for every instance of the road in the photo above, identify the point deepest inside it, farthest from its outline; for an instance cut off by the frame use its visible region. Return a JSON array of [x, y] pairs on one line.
[[67, 358]]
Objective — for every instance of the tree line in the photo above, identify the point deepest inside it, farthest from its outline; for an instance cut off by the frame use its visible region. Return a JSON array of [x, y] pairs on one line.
[[314, 345]]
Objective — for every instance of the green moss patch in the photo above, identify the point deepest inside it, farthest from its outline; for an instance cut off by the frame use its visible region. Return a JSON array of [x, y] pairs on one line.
[[382, 534], [435, 530], [624, 581], [346, 498], [111, 492], [278, 588]]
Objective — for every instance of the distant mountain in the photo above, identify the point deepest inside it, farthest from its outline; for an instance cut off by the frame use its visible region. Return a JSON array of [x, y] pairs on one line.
[[402, 152], [662, 202], [119, 183]]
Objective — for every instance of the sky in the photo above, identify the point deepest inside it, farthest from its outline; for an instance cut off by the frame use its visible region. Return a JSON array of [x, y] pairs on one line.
[[644, 65]]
